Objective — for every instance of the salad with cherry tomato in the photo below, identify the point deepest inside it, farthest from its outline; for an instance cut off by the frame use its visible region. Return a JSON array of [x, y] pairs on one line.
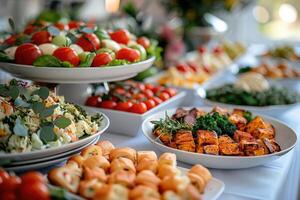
[[75, 44], [29, 186], [131, 96]]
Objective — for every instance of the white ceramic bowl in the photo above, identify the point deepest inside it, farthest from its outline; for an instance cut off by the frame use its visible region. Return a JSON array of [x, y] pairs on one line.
[[285, 136], [76, 74], [12, 157]]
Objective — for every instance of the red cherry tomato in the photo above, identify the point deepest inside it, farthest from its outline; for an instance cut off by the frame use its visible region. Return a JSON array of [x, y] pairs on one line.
[[150, 103], [132, 55], [145, 42], [139, 108], [157, 100], [157, 89], [8, 195], [148, 93], [75, 24], [30, 29], [11, 40], [3, 175], [89, 42], [27, 53], [201, 49], [93, 101], [101, 59], [164, 96], [32, 176], [61, 26], [123, 106], [149, 86], [139, 96], [182, 68], [108, 104], [33, 191], [41, 37], [141, 86], [121, 36], [171, 91], [67, 54], [217, 50], [10, 184]]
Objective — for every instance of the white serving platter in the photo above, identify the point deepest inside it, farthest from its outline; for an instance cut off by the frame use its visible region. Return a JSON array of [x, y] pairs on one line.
[[285, 137], [55, 150], [76, 74]]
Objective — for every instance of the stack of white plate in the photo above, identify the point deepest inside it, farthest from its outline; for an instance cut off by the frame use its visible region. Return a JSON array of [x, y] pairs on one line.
[[48, 157]]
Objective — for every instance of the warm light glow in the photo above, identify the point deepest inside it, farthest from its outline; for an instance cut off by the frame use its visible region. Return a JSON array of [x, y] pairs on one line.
[[288, 13], [112, 6], [261, 14]]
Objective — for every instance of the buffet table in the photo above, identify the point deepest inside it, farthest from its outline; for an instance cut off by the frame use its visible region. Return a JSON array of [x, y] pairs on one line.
[[275, 181]]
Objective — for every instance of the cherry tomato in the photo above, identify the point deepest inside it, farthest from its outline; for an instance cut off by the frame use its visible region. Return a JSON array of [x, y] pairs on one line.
[[139, 108], [171, 91], [182, 68], [101, 59], [120, 91], [33, 191], [129, 54], [201, 49], [32, 176], [157, 100], [93, 101], [61, 26], [145, 42], [124, 106], [75, 24], [139, 96], [4, 175], [164, 96], [148, 93], [150, 103], [8, 195], [141, 86], [27, 53], [67, 54], [30, 29], [41, 37], [11, 40], [157, 89], [217, 50], [10, 184], [89, 42], [121, 36], [149, 86], [108, 104]]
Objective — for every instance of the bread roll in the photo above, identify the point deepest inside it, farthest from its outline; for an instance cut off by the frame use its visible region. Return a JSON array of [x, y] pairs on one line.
[[167, 159], [92, 150], [149, 155], [94, 173], [112, 192], [126, 178], [170, 195], [190, 193], [147, 164], [77, 158], [97, 161], [106, 147], [201, 171], [74, 167], [143, 192], [147, 178], [168, 170], [174, 183], [122, 164], [197, 181], [88, 188], [125, 152]]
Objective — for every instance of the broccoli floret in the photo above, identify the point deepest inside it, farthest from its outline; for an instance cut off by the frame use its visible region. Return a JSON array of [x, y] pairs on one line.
[[248, 116]]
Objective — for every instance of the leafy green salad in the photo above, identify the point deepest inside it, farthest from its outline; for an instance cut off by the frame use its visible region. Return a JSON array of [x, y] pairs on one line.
[[34, 118]]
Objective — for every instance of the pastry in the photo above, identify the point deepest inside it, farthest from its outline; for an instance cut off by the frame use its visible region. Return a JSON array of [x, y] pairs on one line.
[[125, 152], [147, 164], [97, 161], [167, 170], [190, 193], [94, 173], [201, 171], [149, 155], [170, 195], [147, 178], [112, 192], [77, 158], [197, 181], [174, 183], [74, 167], [91, 150], [88, 188], [126, 178], [106, 147], [122, 163], [143, 192], [167, 159]]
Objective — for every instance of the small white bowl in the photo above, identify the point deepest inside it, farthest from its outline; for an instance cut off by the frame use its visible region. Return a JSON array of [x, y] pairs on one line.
[[285, 137]]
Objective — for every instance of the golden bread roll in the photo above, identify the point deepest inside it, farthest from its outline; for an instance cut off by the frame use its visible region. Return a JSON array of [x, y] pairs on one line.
[[106, 147], [201, 171], [74, 167], [168, 170], [64, 177], [88, 188], [92, 150], [167, 159], [150, 155], [77, 158], [147, 178], [143, 192], [112, 192], [122, 164], [170, 195], [174, 183], [147, 164], [126, 178], [125, 152], [197, 181], [97, 161], [94, 173], [190, 193]]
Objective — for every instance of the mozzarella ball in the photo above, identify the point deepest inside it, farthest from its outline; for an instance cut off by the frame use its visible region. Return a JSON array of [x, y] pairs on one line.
[[10, 52], [48, 48]]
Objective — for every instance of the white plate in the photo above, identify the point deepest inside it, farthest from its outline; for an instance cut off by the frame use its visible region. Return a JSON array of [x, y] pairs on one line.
[[76, 74], [285, 137], [49, 158], [55, 150], [213, 190]]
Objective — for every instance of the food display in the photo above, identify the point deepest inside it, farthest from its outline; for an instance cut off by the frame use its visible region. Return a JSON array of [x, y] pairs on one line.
[[285, 52], [76, 44], [279, 71], [131, 96], [102, 171], [218, 132], [252, 89], [33, 118]]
